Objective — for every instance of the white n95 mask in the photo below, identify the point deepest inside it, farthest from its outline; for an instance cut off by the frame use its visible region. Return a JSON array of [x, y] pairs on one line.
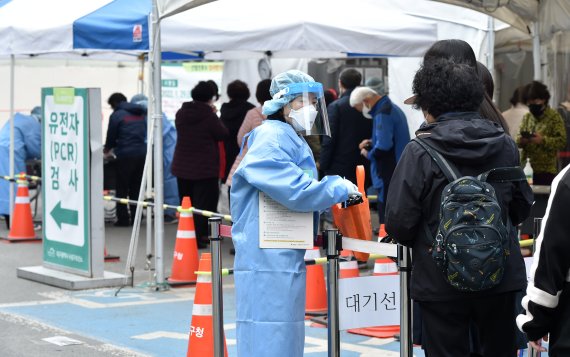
[[304, 118], [366, 111]]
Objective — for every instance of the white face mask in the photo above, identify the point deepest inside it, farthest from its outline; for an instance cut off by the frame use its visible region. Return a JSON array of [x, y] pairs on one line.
[[304, 118], [366, 111]]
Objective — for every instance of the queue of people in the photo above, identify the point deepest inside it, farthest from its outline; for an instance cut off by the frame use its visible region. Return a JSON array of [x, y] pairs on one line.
[[266, 157], [465, 128]]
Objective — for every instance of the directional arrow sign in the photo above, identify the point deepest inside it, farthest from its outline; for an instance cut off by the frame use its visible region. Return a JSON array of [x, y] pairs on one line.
[[63, 215]]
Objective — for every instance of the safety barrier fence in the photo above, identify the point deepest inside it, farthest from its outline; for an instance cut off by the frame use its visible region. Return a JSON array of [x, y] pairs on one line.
[[22, 177], [333, 243]]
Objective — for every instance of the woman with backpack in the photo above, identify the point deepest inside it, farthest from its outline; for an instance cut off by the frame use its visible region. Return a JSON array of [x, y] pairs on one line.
[[451, 298]]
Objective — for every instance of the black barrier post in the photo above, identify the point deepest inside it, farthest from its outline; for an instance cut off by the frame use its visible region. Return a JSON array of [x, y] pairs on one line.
[[332, 245], [405, 267], [217, 299], [536, 231]]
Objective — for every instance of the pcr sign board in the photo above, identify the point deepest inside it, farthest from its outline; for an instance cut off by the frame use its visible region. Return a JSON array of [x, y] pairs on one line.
[[66, 172]]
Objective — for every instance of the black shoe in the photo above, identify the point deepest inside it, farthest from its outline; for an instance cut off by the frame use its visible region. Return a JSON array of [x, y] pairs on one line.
[[232, 251], [201, 245]]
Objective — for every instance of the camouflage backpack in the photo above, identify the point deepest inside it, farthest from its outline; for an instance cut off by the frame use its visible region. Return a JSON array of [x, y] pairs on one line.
[[471, 244]]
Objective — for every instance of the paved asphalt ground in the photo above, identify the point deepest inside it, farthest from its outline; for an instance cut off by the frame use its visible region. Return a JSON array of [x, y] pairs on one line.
[[136, 322]]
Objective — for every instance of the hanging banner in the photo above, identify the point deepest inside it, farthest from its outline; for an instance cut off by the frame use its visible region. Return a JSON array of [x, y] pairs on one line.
[[178, 79], [66, 181]]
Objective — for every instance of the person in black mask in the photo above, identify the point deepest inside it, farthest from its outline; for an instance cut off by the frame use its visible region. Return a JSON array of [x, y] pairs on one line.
[[542, 134]]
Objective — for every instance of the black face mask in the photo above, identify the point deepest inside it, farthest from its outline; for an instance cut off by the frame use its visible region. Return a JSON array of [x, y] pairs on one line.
[[536, 109]]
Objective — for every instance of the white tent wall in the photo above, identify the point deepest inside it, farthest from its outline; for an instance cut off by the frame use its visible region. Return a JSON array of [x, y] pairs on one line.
[[33, 74], [247, 71]]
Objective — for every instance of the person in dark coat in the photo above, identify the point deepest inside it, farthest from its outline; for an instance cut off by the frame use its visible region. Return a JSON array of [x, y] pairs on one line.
[[126, 140], [232, 114], [340, 153], [449, 94], [547, 300], [196, 160]]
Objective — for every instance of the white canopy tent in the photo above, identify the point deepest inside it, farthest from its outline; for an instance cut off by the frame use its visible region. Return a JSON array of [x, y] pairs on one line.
[[375, 30]]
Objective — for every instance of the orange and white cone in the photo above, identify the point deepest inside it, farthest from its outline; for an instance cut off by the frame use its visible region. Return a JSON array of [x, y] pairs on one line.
[[382, 267], [201, 341], [382, 232], [316, 292], [22, 225], [185, 258], [348, 269]]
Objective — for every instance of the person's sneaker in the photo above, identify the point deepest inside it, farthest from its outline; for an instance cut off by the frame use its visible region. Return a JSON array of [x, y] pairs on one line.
[[170, 220]]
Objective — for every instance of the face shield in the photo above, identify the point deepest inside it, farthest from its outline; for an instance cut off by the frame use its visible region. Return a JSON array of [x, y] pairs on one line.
[[306, 111]]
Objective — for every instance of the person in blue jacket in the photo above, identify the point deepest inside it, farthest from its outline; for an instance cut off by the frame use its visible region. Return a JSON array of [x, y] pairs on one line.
[[169, 137], [27, 145], [270, 283], [390, 135]]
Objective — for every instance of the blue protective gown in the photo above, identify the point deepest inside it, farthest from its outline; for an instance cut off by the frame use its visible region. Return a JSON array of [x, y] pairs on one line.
[[169, 136], [27, 145], [270, 283]]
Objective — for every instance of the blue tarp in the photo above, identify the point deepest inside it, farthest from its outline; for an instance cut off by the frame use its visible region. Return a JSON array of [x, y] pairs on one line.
[[120, 25]]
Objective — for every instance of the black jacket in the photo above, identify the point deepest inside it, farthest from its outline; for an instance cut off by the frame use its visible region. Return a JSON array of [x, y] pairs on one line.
[[548, 293], [126, 133], [474, 145], [232, 115], [339, 153]]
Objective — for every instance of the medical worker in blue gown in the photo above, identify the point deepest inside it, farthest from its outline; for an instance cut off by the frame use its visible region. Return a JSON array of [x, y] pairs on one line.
[[27, 145], [169, 137], [270, 283]]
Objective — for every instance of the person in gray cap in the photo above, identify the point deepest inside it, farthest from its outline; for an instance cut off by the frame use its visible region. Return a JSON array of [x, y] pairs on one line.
[[390, 135]]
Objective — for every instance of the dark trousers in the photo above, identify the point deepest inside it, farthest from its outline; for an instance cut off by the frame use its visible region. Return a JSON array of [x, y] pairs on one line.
[[129, 175], [204, 195], [446, 325]]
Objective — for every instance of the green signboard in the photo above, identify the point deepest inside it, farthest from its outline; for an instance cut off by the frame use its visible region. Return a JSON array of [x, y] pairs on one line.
[[65, 173]]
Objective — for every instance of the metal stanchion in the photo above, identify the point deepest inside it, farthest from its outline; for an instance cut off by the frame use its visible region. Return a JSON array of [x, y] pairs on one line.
[[536, 231], [405, 267], [332, 246], [217, 300]]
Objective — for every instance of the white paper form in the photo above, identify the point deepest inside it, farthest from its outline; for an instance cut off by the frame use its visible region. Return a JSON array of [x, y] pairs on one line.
[[280, 227]]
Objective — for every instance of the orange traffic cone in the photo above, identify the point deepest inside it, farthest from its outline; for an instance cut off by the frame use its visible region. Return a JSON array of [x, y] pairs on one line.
[[110, 257], [22, 225], [185, 260], [382, 232], [201, 341], [348, 269], [316, 292], [382, 266]]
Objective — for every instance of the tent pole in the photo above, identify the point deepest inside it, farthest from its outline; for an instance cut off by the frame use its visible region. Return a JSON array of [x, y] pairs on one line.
[[536, 52], [148, 178], [158, 169], [12, 145]]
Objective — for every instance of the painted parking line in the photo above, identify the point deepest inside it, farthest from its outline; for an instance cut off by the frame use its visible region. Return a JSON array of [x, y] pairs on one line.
[[157, 324]]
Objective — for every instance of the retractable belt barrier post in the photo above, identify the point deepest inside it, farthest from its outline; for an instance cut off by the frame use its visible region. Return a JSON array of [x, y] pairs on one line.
[[332, 245], [217, 299], [404, 266], [537, 223]]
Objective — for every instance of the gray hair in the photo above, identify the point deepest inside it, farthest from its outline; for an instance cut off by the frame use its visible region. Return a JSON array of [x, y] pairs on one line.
[[359, 94]]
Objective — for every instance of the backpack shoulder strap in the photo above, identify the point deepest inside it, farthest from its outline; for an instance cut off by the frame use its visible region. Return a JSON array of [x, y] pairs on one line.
[[448, 169], [503, 174]]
